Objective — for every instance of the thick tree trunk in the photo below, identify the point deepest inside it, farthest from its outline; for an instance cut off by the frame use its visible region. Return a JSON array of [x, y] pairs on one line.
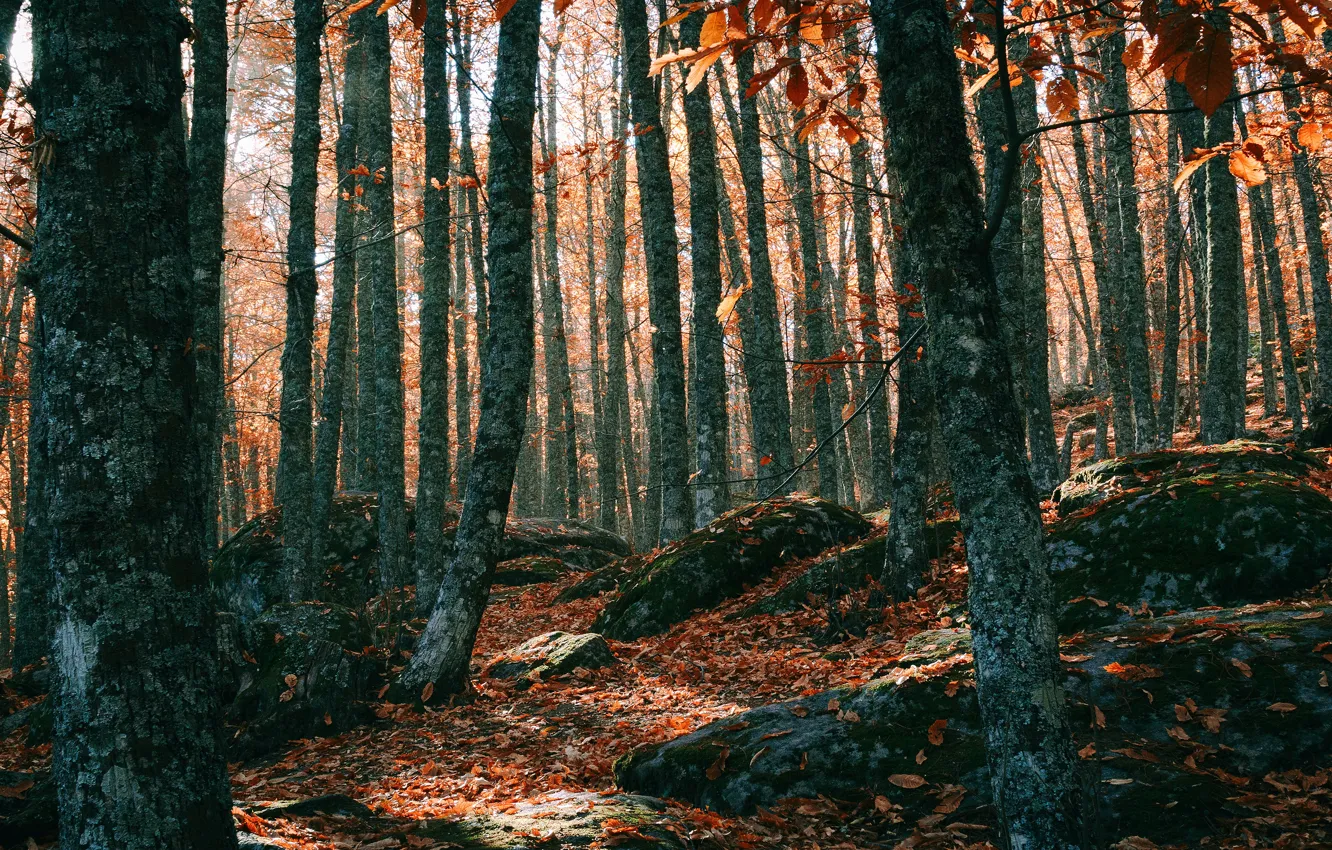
[[295, 471], [708, 377], [208, 163], [366, 408], [1174, 249], [657, 208], [440, 663], [138, 755], [432, 483], [1032, 764], [334, 414], [765, 360], [380, 256]]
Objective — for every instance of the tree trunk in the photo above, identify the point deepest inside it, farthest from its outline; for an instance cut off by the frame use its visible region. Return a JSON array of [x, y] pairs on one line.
[[32, 609], [562, 491], [1223, 393], [432, 483], [462, 380], [208, 162], [606, 486], [295, 472], [138, 751], [440, 663], [618, 451], [1174, 248], [708, 377], [341, 318], [813, 316], [1032, 764], [380, 256], [366, 407], [765, 360], [657, 209], [1122, 185], [1276, 290]]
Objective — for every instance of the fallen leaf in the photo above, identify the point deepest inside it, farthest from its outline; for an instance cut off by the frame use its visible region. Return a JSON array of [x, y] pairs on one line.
[[718, 766], [1242, 667], [936, 730], [906, 780], [1282, 707]]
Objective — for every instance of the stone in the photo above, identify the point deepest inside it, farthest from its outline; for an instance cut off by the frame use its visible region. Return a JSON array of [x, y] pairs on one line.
[[718, 562], [1171, 716], [1187, 542], [552, 654]]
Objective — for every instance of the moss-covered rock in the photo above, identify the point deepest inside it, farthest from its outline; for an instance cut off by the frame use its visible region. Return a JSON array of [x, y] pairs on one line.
[[1184, 543], [1317, 433], [533, 569], [848, 568], [564, 820], [1099, 482], [717, 561], [247, 572], [1170, 716], [553, 654], [310, 677]]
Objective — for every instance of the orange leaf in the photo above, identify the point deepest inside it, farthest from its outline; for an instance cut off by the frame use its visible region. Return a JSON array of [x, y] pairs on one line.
[[427, 692], [1209, 75], [936, 731], [797, 86], [906, 780], [714, 29], [502, 8], [1282, 707], [1247, 168]]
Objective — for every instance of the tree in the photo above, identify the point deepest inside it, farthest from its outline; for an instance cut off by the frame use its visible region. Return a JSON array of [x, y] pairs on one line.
[[379, 255], [432, 485], [208, 165], [1018, 675], [137, 749], [657, 208], [708, 375], [295, 469], [440, 661]]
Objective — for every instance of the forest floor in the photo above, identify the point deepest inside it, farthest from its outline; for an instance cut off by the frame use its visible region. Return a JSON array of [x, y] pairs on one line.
[[504, 746]]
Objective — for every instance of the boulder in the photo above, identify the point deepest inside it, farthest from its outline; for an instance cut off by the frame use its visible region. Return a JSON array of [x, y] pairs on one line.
[[311, 677], [716, 562], [552, 654], [846, 569], [247, 572], [324, 804], [533, 569], [1187, 542], [1098, 482], [1317, 432], [567, 820], [1174, 720]]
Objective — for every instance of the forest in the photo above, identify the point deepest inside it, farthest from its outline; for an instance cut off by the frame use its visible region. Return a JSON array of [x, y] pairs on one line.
[[709, 425]]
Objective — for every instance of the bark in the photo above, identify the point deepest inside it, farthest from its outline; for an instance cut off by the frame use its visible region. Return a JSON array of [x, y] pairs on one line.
[[1127, 252], [1320, 294], [366, 407], [333, 408], [764, 358], [1266, 321], [462, 380], [295, 470], [380, 256], [606, 487], [618, 451], [462, 42], [814, 319], [657, 209], [1174, 247], [562, 492], [1223, 393], [208, 162], [444, 650], [137, 754], [708, 376], [468, 249], [867, 308], [432, 483], [1027, 734], [1276, 290]]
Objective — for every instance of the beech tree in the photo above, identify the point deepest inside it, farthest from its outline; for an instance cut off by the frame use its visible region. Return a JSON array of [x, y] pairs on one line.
[[137, 742]]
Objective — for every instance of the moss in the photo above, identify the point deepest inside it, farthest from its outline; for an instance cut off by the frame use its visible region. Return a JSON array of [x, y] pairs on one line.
[[1224, 539], [718, 561], [1100, 481], [553, 654], [533, 569]]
